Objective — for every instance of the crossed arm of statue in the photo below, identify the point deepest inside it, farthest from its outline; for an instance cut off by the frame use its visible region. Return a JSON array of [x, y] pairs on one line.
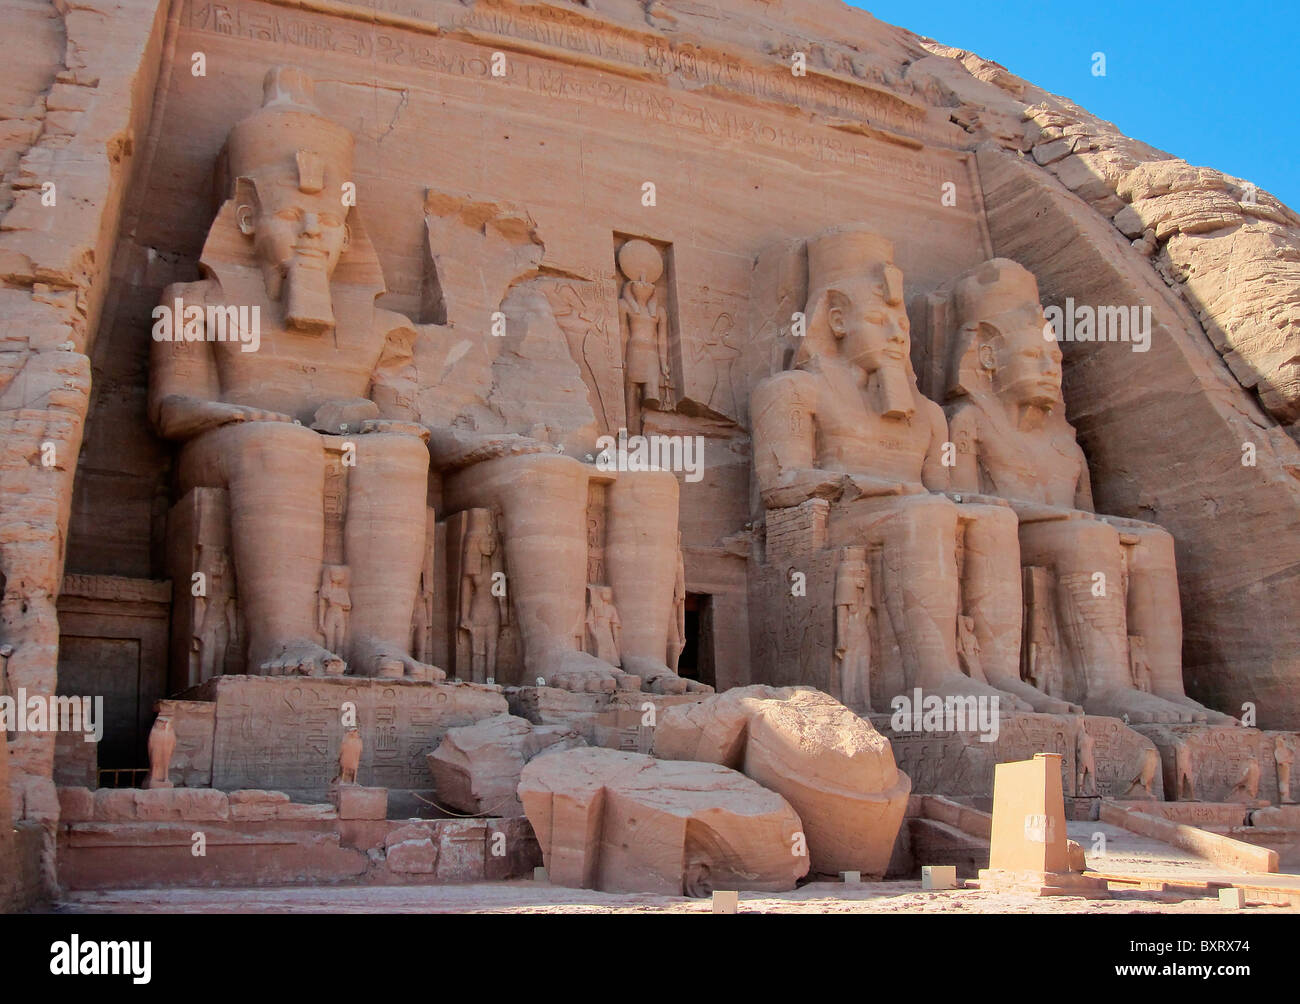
[[784, 416], [184, 390]]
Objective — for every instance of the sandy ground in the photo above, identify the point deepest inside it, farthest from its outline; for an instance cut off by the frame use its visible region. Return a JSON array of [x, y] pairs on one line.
[[522, 896], [1120, 853]]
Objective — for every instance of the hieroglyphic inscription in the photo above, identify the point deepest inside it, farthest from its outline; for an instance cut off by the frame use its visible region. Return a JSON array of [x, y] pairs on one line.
[[284, 734], [652, 104], [959, 763], [839, 84], [597, 495]]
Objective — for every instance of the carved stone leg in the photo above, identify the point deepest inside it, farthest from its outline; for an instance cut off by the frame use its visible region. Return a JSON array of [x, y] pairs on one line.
[[920, 587], [1088, 562], [385, 523], [543, 498], [641, 557], [991, 594], [1154, 613], [275, 473]]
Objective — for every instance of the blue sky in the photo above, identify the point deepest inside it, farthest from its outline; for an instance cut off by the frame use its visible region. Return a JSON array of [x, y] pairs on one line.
[[1215, 84]]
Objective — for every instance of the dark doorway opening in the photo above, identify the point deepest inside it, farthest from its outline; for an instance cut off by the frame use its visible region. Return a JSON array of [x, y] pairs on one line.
[[696, 662]]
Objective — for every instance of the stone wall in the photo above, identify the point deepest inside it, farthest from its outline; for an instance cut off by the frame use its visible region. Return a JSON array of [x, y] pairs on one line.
[[88, 72]]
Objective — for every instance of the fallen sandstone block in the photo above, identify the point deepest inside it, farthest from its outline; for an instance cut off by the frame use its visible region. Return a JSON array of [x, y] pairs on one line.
[[832, 766], [476, 767], [625, 822]]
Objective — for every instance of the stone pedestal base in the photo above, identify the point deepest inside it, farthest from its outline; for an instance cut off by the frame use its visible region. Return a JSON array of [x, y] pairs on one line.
[[283, 733], [1041, 883], [1221, 763], [355, 802], [624, 720]]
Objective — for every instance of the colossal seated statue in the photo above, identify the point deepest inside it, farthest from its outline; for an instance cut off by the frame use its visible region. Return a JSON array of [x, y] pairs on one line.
[[849, 425], [1116, 612], [316, 423], [259, 423]]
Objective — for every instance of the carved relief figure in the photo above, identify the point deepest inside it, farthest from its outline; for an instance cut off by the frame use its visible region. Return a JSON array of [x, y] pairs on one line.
[[333, 606], [1284, 757], [1085, 763], [1040, 665], [677, 629], [1247, 787], [422, 616], [968, 648], [162, 744], [1184, 773], [482, 608], [253, 419], [1137, 658], [848, 424], [644, 319], [1013, 442], [852, 630], [604, 629], [1144, 782], [215, 617]]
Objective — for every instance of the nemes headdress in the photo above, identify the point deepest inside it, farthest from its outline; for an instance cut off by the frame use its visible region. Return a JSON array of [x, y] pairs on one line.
[[981, 294], [288, 134], [845, 258], [290, 138]]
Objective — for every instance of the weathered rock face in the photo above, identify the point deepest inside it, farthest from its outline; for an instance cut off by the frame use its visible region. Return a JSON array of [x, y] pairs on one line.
[[476, 767], [623, 822], [75, 93], [834, 768]]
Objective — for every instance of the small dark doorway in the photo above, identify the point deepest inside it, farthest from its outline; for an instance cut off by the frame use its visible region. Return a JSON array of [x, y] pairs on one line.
[[696, 662]]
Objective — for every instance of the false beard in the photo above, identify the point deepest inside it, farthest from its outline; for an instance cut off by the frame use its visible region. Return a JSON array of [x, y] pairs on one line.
[[891, 391], [307, 303]]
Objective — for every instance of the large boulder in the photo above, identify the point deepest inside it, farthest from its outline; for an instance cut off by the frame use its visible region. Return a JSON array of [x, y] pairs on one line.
[[834, 768], [625, 822], [476, 767]]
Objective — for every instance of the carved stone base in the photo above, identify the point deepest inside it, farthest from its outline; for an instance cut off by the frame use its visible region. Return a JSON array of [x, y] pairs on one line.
[[283, 733], [194, 725], [1219, 763], [355, 802], [1041, 883], [619, 721], [959, 763]]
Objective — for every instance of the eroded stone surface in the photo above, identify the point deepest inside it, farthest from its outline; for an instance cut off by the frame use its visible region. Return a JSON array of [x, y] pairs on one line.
[[833, 767], [476, 768], [626, 822]]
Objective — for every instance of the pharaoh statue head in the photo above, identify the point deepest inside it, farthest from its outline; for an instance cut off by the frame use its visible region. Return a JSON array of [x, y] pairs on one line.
[[282, 175], [999, 346], [855, 312]]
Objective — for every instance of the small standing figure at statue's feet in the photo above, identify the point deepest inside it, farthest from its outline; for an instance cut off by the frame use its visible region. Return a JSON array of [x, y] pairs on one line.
[[162, 744], [349, 757]]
